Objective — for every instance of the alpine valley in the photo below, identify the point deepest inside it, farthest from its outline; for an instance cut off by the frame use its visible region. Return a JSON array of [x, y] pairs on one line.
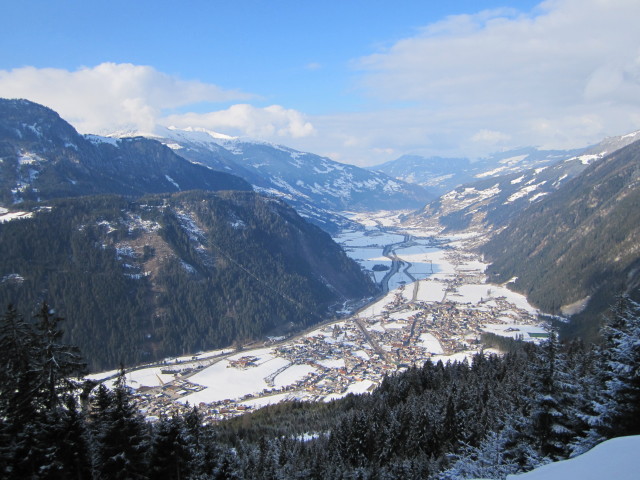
[[142, 277], [399, 321]]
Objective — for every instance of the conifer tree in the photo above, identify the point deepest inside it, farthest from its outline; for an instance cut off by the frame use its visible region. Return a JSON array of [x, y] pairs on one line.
[[18, 393], [169, 453], [64, 442], [60, 366], [620, 410], [121, 440], [550, 416], [18, 379]]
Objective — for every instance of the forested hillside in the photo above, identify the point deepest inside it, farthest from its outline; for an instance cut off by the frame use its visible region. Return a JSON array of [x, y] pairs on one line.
[[141, 279], [578, 245], [485, 419]]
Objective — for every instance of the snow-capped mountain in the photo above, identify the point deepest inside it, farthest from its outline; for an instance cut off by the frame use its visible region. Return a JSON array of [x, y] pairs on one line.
[[493, 199], [43, 157], [576, 247], [300, 178], [442, 175]]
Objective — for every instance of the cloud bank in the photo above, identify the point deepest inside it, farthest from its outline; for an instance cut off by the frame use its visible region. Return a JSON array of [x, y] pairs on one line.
[[561, 76], [110, 97], [564, 75], [246, 120]]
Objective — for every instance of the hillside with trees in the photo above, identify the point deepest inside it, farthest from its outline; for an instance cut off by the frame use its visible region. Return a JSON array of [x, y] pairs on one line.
[[139, 280], [578, 245], [493, 416]]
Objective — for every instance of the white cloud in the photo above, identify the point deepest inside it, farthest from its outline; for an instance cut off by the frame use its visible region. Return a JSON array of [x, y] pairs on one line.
[[490, 137], [109, 96], [272, 122], [565, 75]]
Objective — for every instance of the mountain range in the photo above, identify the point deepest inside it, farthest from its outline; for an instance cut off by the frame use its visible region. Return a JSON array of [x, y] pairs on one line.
[[318, 187], [442, 174], [563, 216], [141, 267], [495, 198], [43, 157], [577, 247]]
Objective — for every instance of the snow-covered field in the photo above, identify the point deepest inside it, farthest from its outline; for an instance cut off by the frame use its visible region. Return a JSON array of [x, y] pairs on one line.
[[222, 381], [431, 344], [476, 293], [358, 387], [377, 307], [431, 291], [258, 377], [293, 374], [368, 239], [149, 377], [515, 330], [5, 216], [369, 257], [424, 259], [615, 459]]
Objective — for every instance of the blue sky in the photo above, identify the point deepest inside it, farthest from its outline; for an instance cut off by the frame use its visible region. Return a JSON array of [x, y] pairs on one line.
[[360, 81]]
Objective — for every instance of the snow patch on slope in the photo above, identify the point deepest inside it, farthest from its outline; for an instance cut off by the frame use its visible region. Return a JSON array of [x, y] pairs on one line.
[[616, 458]]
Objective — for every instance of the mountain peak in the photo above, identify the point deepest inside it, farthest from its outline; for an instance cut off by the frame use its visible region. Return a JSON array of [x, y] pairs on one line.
[[211, 133]]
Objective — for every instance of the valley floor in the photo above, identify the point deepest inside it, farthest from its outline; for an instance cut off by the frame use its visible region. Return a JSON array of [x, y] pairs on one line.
[[435, 306]]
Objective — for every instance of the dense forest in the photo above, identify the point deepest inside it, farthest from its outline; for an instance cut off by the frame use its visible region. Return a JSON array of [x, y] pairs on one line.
[[139, 280], [576, 245], [488, 418]]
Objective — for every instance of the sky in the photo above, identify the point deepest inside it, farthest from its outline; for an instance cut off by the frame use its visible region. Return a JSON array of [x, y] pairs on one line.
[[362, 82]]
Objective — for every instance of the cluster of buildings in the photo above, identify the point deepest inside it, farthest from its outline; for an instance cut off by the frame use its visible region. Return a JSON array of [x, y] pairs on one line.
[[358, 352]]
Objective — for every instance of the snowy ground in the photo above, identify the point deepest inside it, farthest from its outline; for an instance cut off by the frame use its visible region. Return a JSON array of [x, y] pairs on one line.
[[431, 291], [430, 343], [222, 381], [442, 273], [7, 217], [615, 459], [358, 387], [515, 330]]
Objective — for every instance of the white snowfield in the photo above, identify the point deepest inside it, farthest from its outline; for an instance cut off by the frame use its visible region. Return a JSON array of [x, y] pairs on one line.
[[7, 217], [615, 459], [431, 344], [222, 381]]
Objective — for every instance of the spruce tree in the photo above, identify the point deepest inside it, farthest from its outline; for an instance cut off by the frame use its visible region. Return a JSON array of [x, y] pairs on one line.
[[18, 393], [169, 453], [620, 410], [121, 438], [60, 366]]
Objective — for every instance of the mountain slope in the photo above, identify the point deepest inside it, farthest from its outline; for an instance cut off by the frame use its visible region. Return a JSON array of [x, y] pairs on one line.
[[442, 175], [43, 157], [302, 177], [173, 274], [579, 243], [493, 201]]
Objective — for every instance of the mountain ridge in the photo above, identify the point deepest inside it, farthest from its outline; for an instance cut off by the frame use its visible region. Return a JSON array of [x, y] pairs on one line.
[[170, 274], [44, 157], [301, 178], [581, 239]]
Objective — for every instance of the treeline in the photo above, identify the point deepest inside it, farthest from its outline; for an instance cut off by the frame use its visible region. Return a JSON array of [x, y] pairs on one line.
[[251, 266], [489, 418]]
